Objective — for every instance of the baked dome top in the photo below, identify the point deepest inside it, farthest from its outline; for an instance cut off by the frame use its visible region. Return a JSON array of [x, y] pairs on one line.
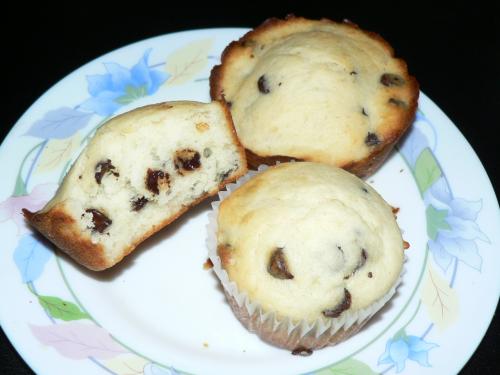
[[317, 91], [309, 241]]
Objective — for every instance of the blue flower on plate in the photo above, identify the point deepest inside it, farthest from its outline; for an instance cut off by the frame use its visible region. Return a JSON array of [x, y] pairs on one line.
[[451, 227], [154, 369], [398, 350], [30, 256], [412, 146], [451, 222], [121, 86]]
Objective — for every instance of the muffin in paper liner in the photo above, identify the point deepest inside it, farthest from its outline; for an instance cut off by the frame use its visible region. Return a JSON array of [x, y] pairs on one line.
[[301, 337]]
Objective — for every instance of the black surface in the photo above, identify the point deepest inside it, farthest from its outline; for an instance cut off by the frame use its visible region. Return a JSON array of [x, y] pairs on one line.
[[453, 51]]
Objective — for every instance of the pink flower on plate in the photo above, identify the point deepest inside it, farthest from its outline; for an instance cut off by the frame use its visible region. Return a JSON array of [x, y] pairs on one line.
[[11, 208], [79, 341]]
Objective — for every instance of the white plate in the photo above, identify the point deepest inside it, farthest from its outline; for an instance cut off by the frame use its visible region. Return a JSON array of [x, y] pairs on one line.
[[160, 312]]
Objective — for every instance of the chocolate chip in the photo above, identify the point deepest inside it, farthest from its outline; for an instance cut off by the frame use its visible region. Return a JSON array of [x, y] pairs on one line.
[[223, 175], [341, 307], [302, 351], [397, 102], [389, 79], [208, 264], [363, 112], [360, 264], [263, 85], [371, 139], [100, 221], [229, 104], [156, 179], [207, 152], [277, 265], [353, 73], [370, 275], [186, 160], [139, 203], [102, 168], [362, 261], [364, 189]]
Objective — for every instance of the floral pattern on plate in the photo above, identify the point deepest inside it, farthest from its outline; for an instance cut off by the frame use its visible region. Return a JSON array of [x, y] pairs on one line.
[[454, 237]]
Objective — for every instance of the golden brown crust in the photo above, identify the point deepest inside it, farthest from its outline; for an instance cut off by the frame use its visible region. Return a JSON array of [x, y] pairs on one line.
[[394, 129], [234, 136], [367, 166], [255, 160], [217, 73], [224, 252], [61, 228]]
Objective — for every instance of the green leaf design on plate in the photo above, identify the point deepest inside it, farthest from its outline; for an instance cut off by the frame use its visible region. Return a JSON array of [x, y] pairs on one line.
[[61, 309], [132, 93], [436, 220], [427, 170], [401, 334], [20, 188], [350, 366]]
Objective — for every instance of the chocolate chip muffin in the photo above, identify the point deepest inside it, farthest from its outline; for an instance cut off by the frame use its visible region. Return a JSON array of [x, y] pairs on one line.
[[306, 253], [317, 91], [141, 171]]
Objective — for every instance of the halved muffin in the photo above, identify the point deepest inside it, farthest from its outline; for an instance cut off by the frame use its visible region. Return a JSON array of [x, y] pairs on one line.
[[140, 171]]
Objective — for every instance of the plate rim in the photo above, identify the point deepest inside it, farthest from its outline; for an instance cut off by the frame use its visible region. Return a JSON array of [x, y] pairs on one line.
[[488, 189]]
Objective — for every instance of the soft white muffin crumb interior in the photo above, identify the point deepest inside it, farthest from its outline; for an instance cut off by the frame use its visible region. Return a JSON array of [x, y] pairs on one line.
[[145, 166]]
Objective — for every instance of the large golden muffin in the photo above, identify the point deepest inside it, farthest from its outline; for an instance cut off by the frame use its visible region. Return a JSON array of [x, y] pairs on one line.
[[316, 91], [310, 246]]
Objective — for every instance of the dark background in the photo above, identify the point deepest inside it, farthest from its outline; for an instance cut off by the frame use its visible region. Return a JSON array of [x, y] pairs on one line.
[[453, 51]]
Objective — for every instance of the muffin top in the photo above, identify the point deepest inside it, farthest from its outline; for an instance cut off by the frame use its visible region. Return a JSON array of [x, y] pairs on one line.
[[315, 90], [309, 241]]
